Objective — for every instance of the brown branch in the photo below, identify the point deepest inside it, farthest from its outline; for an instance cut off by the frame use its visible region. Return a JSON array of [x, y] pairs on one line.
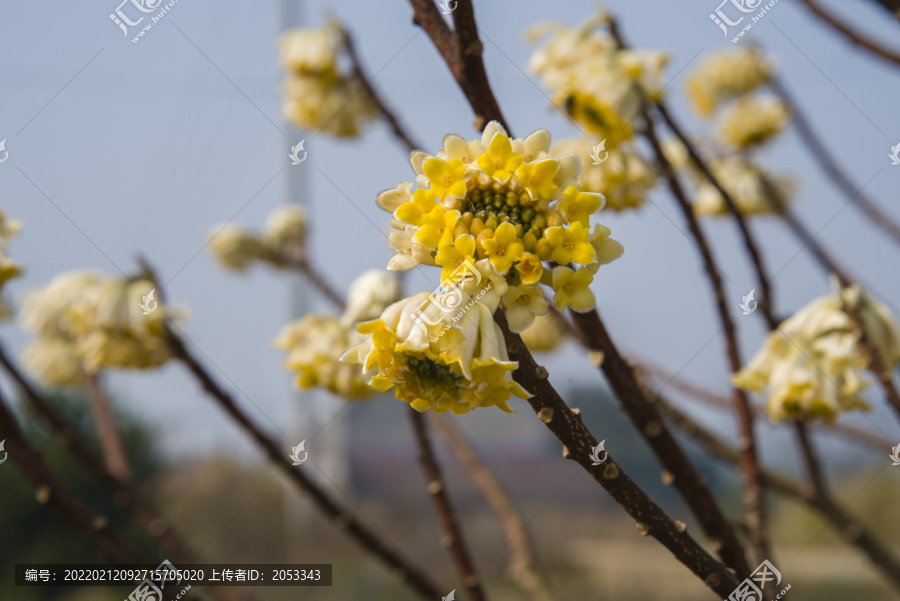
[[832, 168], [453, 537], [892, 6], [853, 36], [522, 563], [368, 540], [50, 489], [321, 284], [749, 461], [578, 443], [872, 440], [389, 116], [642, 412], [107, 432], [124, 493], [811, 460], [461, 50], [854, 532]]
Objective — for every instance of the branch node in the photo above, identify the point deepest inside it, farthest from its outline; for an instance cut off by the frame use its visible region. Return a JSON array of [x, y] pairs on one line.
[[545, 414], [611, 471]]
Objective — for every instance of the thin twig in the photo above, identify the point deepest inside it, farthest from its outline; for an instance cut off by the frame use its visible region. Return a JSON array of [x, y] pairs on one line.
[[389, 116], [832, 168], [522, 563], [854, 532], [124, 493], [371, 542], [754, 497], [811, 460], [766, 302], [853, 36], [107, 432], [578, 444], [680, 471], [461, 49], [50, 489], [453, 537]]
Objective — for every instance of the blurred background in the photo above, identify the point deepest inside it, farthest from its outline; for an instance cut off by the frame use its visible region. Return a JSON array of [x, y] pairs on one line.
[[119, 149]]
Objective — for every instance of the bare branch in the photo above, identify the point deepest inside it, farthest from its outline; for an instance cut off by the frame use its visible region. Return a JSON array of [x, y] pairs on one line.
[[642, 412], [107, 432], [852, 531], [851, 35], [522, 564], [453, 537], [389, 116]]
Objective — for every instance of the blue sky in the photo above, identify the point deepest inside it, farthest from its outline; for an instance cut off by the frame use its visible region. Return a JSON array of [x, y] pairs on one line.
[[118, 149]]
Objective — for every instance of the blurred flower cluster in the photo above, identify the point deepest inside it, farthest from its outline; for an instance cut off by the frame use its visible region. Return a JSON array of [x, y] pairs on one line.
[[85, 321], [603, 89], [727, 85], [281, 241], [490, 212], [9, 269], [315, 343], [318, 94], [810, 367]]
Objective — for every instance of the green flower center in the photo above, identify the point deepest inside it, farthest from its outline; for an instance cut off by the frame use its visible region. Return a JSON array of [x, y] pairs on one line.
[[494, 203], [432, 375]]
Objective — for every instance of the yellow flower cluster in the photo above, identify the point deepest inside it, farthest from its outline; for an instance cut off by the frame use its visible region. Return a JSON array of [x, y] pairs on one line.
[[753, 120], [623, 178], [727, 75], [433, 361], [600, 86], [810, 367], [315, 343], [750, 185], [282, 238], [318, 94], [86, 321], [9, 269], [505, 206], [489, 212]]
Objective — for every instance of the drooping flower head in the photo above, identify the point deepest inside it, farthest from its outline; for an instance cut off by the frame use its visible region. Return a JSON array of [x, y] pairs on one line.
[[727, 75], [9, 269], [810, 367], [600, 86], [435, 359]]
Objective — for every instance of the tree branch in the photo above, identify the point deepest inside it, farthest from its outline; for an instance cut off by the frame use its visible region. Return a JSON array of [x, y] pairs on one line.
[[369, 541], [389, 116], [50, 489], [453, 537], [107, 432], [522, 568], [851, 35], [749, 462], [461, 50], [852, 531], [642, 412], [578, 443], [832, 169]]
